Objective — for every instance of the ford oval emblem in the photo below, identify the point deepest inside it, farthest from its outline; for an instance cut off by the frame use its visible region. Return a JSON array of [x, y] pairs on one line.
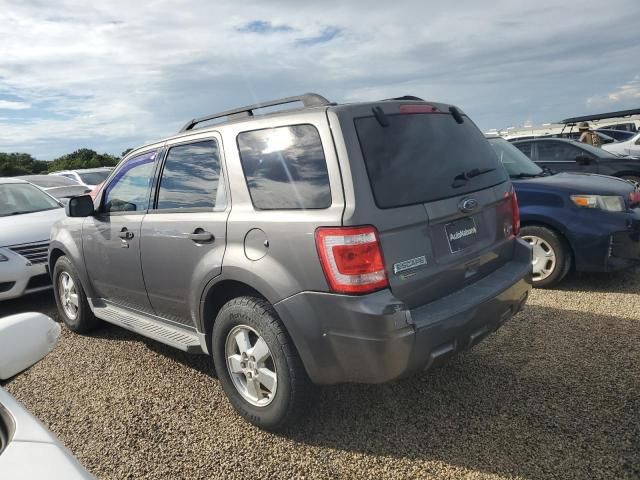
[[468, 205]]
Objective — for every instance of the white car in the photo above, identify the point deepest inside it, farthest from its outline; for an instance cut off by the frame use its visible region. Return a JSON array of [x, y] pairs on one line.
[[629, 147], [91, 177], [26, 216], [27, 449]]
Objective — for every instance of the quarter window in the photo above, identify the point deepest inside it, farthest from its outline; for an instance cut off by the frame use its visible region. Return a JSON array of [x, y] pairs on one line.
[[285, 168], [129, 189], [191, 178]]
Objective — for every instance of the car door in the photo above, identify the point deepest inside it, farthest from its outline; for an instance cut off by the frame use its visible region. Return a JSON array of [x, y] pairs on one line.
[[184, 234], [562, 156], [111, 238], [634, 146]]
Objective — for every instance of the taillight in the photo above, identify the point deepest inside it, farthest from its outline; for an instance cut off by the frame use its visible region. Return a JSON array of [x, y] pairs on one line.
[[351, 259], [515, 212], [634, 198], [510, 205], [418, 108]]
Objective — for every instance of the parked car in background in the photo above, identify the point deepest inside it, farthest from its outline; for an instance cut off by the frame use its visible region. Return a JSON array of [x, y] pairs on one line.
[[27, 449], [604, 139], [617, 135], [620, 126], [587, 222], [629, 147], [90, 177], [561, 155], [26, 216], [94, 192], [57, 186], [367, 242]]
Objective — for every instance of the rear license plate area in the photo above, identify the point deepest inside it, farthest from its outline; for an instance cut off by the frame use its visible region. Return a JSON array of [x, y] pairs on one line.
[[461, 234]]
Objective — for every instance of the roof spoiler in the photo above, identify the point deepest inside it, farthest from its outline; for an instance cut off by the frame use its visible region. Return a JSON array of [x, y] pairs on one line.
[[307, 99]]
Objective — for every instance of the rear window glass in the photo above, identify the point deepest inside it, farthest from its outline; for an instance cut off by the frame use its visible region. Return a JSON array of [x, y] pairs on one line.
[[420, 158], [285, 168]]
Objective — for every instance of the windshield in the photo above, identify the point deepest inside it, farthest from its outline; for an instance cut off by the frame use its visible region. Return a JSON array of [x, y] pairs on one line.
[[20, 198], [94, 178], [419, 158], [515, 162], [598, 152]]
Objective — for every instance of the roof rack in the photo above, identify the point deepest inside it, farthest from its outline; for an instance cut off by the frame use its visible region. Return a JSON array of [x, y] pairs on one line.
[[601, 116], [307, 99]]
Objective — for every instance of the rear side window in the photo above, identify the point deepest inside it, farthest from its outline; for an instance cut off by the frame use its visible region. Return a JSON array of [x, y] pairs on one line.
[[285, 168], [550, 151], [191, 178], [420, 158]]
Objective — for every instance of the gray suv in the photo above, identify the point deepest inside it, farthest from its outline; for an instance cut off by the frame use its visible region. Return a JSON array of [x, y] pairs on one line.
[[317, 244]]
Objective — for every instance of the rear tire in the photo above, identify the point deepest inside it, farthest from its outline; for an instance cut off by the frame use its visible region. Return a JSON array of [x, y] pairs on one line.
[[551, 255], [71, 300], [250, 346]]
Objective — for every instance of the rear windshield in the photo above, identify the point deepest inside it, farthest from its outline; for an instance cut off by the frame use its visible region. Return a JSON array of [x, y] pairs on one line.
[[420, 158]]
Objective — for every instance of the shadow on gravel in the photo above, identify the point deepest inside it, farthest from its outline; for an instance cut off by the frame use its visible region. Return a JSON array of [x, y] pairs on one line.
[[201, 363], [539, 399], [35, 302], [625, 281]]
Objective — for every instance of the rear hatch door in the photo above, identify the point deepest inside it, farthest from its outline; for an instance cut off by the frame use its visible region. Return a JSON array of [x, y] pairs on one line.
[[438, 197]]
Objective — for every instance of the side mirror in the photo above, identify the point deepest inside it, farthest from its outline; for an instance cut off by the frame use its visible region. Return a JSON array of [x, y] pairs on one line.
[[24, 340], [584, 159], [81, 206]]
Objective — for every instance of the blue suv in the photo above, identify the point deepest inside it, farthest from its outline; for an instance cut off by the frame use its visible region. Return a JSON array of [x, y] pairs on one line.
[[584, 221]]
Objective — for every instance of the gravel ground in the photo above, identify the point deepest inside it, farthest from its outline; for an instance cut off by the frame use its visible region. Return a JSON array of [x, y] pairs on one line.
[[554, 394]]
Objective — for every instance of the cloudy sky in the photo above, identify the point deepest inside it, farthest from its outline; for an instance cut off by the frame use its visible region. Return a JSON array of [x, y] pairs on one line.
[[121, 73]]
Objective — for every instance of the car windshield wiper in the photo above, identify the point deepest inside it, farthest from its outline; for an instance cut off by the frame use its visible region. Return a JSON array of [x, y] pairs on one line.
[[462, 178]]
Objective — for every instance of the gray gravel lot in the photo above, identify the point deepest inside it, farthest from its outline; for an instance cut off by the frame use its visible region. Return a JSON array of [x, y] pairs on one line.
[[554, 394]]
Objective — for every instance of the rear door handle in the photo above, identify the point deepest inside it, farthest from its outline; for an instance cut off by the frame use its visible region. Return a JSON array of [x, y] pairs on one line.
[[201, 236]]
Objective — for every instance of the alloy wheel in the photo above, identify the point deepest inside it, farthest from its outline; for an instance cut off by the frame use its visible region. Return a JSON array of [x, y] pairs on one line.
[[68, 295], [251, 366]]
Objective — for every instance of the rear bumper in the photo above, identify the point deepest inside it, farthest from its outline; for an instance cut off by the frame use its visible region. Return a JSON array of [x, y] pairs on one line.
[[375, 338]]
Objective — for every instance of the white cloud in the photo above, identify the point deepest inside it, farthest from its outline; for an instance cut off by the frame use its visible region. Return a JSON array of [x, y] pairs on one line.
[[628, 94], [118, 73], [13, 105]]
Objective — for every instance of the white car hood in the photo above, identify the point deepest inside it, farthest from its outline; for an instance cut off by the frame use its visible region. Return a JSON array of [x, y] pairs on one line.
[[28, 227], [34, 452]]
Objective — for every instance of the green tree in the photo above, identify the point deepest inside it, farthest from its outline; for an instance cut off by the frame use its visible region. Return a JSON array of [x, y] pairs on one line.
[[82, 158], [12, 164], [124, 154]]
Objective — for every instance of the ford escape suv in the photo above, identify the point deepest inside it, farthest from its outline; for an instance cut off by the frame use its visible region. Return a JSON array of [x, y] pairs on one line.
[[319, 244]]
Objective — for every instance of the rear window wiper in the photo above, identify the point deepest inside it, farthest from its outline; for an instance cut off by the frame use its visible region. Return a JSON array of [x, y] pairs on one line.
[[527, 175], [462, 178], [477, 172]]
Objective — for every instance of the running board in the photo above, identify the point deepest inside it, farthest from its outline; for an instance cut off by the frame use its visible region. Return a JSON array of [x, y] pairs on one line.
[[169, 335]]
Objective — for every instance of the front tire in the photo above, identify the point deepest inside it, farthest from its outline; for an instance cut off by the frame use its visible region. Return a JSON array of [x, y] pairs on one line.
[[71, 300], [551, 255], [257, 364]]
